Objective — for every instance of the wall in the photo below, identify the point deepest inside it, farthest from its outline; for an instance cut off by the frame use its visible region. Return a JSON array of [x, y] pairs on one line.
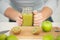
[[56, 14]]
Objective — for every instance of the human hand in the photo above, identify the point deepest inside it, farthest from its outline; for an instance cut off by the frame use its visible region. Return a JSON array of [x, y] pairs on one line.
[[38, 18], [19, 19]]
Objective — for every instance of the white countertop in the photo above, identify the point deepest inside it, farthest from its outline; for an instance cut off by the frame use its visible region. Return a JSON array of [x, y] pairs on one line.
[[7, 25]]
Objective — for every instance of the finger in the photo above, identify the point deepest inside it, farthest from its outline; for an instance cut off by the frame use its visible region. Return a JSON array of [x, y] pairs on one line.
[[19, 19], [38, 15], [38, 18], [20, 15], [38, 21], [35, 12], [19, 23], [36, 24]]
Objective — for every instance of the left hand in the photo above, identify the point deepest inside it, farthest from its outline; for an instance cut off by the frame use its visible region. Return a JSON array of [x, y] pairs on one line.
[[38, 18]]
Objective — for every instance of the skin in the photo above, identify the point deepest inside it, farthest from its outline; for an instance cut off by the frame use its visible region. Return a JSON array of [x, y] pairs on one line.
[[38, 16], [13, 15], [41, 16]]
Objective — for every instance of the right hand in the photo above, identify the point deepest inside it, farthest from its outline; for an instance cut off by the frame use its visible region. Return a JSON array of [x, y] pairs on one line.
[[19, 19]]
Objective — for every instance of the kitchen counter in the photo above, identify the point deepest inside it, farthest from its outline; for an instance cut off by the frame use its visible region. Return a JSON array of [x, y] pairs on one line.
[[9, 25]]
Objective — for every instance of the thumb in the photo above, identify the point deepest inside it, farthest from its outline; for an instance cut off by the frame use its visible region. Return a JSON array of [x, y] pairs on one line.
[[35, 12]]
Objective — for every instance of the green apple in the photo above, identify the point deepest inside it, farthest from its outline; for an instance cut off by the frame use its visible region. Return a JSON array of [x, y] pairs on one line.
[[58, 37], [46, 26], [36, 31], [12, 37], [3, 37], [48, 37]]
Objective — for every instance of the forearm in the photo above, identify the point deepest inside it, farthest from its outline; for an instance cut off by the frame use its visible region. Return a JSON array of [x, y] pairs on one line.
[[11, 13], [46, 12]]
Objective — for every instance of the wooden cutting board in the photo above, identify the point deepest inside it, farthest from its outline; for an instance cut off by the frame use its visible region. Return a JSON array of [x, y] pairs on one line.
[[26, 33]]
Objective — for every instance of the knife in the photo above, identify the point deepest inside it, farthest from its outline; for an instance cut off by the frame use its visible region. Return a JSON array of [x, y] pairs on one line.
[[2, 32], [57, 30]]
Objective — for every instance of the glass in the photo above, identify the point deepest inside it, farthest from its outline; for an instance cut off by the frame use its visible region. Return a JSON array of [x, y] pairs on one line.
[[27, 17]]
